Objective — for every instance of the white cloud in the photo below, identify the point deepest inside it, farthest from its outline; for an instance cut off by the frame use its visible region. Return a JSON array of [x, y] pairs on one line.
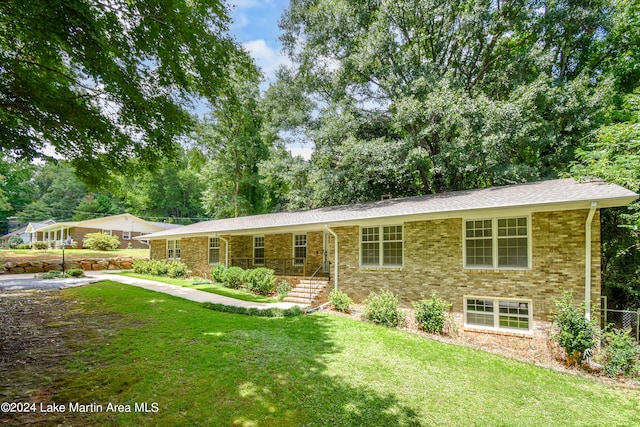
[[302, 151], [240, 21], [268, 59]]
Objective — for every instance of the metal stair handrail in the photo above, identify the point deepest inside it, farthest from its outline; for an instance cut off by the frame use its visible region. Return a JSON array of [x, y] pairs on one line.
[[311, 282]]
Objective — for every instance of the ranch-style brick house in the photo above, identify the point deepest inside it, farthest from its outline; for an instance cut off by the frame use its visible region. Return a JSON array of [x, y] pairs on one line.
[[499, 255]]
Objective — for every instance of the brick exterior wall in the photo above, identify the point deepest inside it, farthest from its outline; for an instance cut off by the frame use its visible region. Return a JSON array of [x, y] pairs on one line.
[[78, 233], [158, 249], [433, 262], [194, 251]]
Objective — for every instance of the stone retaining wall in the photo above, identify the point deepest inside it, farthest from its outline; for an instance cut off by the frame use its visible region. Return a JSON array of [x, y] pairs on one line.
[[85, 264]]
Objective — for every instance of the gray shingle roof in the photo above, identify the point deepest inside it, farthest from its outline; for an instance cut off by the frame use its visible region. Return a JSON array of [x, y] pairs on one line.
[[540, 195]]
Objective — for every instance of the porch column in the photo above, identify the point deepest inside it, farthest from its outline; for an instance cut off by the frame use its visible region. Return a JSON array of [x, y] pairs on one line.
[[335, 256]]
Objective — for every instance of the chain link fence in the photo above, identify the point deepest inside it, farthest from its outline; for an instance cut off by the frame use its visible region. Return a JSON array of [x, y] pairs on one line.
[[622, 319]]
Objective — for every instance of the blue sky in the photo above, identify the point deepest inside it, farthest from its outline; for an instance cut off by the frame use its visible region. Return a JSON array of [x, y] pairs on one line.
[[255, 26]]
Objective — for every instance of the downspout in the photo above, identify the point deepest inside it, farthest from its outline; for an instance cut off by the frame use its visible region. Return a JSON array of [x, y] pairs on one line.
[[335, 256], [587, 261], [226, 251]]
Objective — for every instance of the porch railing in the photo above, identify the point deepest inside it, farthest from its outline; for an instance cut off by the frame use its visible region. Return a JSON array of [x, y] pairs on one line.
[[280, 266]]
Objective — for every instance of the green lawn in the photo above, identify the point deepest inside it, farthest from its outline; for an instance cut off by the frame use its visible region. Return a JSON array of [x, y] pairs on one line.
[[35, 254], [204, 367], [214, 288]]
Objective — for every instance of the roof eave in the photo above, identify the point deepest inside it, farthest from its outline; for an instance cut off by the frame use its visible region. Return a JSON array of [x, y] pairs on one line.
[[456, 213]]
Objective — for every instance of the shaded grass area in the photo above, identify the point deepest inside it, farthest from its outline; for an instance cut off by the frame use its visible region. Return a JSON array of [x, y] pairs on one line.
[[209, 368], [213, 288]]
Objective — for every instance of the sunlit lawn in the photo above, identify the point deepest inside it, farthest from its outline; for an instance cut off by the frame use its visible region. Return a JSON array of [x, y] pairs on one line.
[[11, 254], [214, 288], [204, 367]]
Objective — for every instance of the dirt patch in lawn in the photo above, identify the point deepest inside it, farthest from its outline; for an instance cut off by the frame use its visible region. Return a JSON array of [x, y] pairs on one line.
[[40, 332]]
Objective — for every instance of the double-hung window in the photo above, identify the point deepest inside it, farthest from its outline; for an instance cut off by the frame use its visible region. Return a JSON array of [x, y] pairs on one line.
[[214, 250], [126, 235], [381, 246], [498, 313], [497, 243], [173, 249], [299, 249], [258, 250]]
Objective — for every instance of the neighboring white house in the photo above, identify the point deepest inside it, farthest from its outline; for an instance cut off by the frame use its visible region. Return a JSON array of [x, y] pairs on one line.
[[125, 226]]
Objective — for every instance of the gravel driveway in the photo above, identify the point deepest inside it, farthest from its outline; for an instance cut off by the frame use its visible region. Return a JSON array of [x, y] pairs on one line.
[[15, 282]]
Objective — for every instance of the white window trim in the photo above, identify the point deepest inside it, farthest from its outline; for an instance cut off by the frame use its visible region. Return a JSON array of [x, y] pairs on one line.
[[253, 253], [126, 235], [107, 232], [494, 239], [213, 247], [496, 314], [381, 247], [293, 250], [177, 250]]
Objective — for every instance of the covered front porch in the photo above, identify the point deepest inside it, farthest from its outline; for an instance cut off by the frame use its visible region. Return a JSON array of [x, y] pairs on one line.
[[53, 234], [286, 266]]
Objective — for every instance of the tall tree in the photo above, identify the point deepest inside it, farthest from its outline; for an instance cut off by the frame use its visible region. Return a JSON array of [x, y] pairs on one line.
[[613, 153], [172, 192], [15, 188], [101, 82], [232, 139], [454, 93], [56, 193]]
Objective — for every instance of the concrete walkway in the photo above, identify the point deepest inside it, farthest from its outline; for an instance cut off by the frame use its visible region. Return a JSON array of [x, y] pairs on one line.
[[23, 281]]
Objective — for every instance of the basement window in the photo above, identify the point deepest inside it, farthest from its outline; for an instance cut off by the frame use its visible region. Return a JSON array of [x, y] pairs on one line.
[[498, 314]]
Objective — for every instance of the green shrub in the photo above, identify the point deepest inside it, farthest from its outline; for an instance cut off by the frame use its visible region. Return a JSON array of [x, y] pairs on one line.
[[140, 266], [75, 272], [23, 246], [216, 272], [576, 333], [620, 354], [177, 269], [15, 241], [382, 309], [40, 245], [260, 281], [340, 300], [232, 277], [267, 312], [54, 274], [431, 314], [100, 242], [283, 289]]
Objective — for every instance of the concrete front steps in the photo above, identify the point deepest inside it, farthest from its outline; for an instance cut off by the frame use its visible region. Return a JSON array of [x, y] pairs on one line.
[[307, 292]]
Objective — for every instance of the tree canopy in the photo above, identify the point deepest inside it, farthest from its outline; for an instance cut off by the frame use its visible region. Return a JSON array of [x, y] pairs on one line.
[[423, 97], [101, 82]]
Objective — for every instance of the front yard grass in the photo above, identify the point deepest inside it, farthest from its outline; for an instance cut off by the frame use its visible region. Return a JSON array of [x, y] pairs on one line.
[[214, 288], [70, 254], [204, 367]]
